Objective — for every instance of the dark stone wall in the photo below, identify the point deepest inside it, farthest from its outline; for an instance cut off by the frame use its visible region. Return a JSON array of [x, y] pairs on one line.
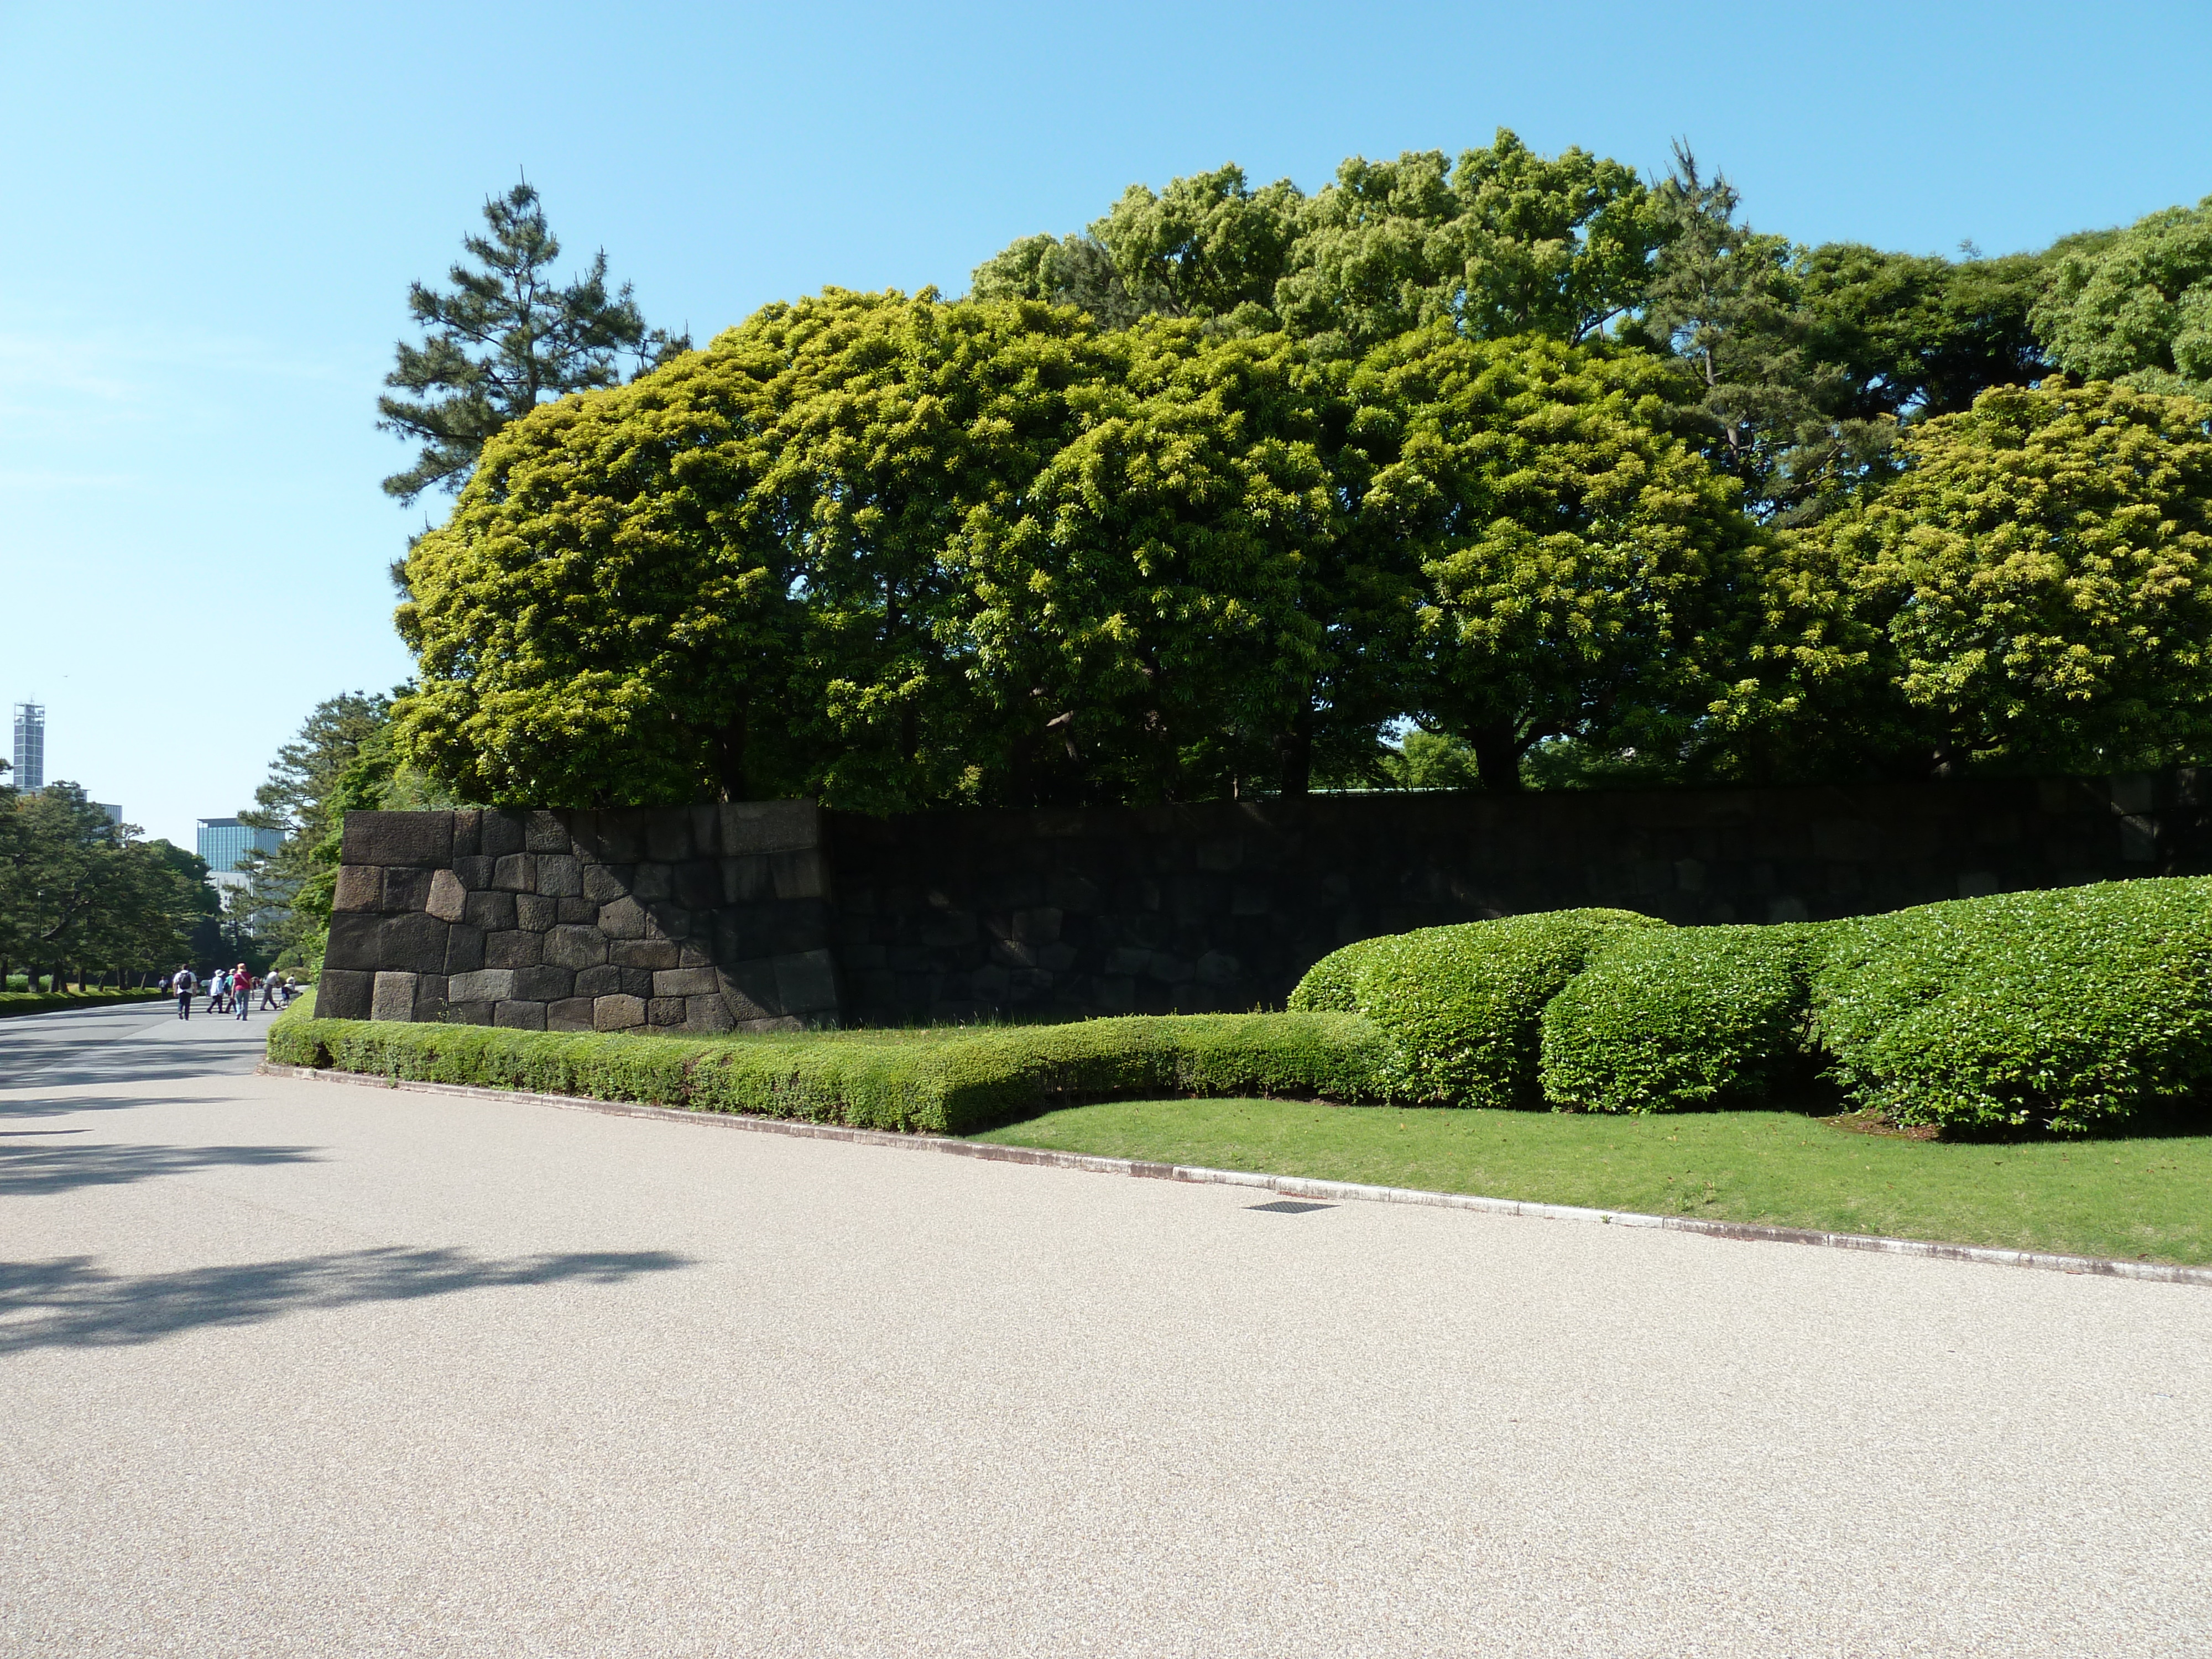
[[695, 920], [960, 915], [775, 914]]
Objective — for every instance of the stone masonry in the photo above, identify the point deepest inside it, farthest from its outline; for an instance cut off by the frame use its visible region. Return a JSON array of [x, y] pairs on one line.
[[692, 920], [776, 915]]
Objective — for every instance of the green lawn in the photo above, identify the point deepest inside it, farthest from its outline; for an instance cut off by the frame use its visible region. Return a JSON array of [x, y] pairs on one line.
[[2150, 1198]]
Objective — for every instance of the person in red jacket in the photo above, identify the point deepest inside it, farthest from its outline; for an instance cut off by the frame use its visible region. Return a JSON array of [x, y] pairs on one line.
[[241, 990]]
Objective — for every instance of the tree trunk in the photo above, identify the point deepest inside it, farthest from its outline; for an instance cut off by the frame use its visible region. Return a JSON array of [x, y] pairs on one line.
[[1497, 757], [1294, 754], [730, 757]]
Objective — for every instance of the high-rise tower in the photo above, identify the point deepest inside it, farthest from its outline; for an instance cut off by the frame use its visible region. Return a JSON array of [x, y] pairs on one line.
[[30, 757]]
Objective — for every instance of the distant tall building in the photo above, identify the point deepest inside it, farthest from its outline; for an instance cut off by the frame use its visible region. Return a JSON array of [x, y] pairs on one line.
[[30, 757], [223, 842]]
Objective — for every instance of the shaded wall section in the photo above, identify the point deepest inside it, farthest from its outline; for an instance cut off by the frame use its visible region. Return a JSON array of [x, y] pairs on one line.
[[775, 914]]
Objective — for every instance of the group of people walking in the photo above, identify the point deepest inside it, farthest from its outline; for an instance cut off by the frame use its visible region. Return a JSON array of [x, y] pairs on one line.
[[230, 991]]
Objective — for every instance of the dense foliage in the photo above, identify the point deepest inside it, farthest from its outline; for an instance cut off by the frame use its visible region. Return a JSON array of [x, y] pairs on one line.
[[1477, 472], [80, 892], [2083, 1008]]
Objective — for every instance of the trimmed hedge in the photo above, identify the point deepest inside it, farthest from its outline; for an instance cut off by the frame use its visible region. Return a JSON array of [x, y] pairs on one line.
[[2066, 1011], [1463, 1005], [48, 1002], [1666, 1019], [943, 1082]]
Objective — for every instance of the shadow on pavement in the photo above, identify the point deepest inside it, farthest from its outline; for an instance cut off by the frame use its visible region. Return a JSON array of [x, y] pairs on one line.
[[63, 1105], [67, 1302], [27, 1171], [107, 1060]]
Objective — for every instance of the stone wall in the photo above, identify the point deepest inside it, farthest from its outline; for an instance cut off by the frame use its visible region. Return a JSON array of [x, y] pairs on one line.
[[775, 915], [962, 915], [692, 919]]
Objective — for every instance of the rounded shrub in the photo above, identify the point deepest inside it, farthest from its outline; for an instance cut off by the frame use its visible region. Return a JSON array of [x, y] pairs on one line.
[[1663, 1019], [2068, 1010], [1463, 1005]]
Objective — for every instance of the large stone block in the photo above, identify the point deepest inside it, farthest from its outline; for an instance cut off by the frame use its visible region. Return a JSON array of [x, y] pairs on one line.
[[544, 984], [447, 897], [668, 837], [516, 873], [625, 919], [499, 834], [570, 946], [353, 945], [685, 982], [490, 911], [407, 889], [570, 1014], [468, 830], [476, 873], [706, 1016], [393, 997], [560, 876], [603, 884], [806, 983], [341, 993], [770, 826], [652, 881], [802, 874], [579, 910], [360, 888], [749, 989], [486, 985], [617, 1013], [747, 880], [535, 912], [697, 886], [706, 830], [664, 1011], [430, 997], [520, 1015], [424, 839], [464, 949], [598, 981], [644, 953], [513, 948], [543, 832], [414, 943]]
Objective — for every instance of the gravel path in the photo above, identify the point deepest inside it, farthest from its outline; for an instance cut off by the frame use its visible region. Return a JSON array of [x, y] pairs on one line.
[[314, 1369]]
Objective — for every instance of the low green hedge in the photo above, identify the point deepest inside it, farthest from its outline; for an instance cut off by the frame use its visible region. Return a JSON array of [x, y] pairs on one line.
[[948, 1082], [2078, 1009], [1663, 1019], [48, 1002], [1463, 1005]]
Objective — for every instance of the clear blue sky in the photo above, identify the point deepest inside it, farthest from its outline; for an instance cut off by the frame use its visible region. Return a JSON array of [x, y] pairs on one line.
[[211, 216]]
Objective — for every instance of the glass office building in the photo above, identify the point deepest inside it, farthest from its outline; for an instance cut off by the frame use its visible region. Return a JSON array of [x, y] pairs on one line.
[[30, 757], [223, 842]]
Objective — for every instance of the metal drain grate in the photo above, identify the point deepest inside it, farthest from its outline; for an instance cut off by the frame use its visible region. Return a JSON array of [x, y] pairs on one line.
[[1289, 1206]]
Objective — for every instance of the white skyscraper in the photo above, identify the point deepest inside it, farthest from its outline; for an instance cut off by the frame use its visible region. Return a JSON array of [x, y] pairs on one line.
[[30, 757]]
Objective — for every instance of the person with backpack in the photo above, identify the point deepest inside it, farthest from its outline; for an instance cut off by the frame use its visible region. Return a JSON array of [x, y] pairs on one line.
[[184, 985]]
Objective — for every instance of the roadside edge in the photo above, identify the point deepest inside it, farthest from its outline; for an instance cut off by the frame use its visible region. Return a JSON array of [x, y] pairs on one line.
[[1288, 1186]]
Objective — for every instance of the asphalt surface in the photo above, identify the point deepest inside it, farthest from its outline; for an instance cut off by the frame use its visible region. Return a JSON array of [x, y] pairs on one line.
[[312, 1369]]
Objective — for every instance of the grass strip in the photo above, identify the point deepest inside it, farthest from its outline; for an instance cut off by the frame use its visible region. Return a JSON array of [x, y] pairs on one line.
[[2141, 1198]]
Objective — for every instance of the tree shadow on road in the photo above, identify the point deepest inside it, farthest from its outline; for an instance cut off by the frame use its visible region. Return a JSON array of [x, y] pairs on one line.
[[67, 1302], [41, 1168], [63, 1105]]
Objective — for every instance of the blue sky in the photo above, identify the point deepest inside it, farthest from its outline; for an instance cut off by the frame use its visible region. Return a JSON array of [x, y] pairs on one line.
[[211, 216]]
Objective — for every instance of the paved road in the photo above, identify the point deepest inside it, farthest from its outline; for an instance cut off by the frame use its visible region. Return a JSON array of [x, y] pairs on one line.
[[310, 1369]]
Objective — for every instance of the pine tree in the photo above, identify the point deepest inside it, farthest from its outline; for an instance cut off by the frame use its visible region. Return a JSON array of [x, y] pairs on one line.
[[504, 339]]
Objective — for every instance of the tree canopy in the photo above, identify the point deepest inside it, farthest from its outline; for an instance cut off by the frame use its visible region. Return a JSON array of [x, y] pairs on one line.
[[1499, 469]]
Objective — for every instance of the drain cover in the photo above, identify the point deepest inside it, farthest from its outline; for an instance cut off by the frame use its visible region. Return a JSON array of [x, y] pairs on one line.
[[1289, 1206]]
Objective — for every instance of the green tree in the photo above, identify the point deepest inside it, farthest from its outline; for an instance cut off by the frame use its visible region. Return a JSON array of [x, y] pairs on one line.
[[505, 337], [1506, 242], [2039, 574], [1587, 574], [1059, 270], [78, 889], [2136, 304]]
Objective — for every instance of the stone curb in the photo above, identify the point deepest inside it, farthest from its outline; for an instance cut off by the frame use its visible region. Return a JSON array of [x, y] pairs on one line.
[[1287, 1186]]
